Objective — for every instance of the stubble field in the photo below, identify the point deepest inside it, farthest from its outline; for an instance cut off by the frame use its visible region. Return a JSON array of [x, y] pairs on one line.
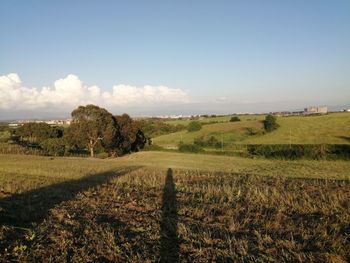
[[153, 206]]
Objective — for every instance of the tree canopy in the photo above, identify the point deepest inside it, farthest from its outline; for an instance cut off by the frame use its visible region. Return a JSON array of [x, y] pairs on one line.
[[270, 123], [38, 132], [93, 126]]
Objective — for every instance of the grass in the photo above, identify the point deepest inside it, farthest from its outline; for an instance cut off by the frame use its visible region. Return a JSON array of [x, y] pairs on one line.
[[170, 207], [328, 129], [244, 117], [228, 132], [332, 128]]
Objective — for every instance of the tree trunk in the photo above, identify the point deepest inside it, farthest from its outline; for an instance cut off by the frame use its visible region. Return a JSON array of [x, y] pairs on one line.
[[92, 151], [91, 146]]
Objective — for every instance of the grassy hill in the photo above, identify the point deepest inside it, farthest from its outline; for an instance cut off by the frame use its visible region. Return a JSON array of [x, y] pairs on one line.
[[172, 207], [227, 131], [331, 128]]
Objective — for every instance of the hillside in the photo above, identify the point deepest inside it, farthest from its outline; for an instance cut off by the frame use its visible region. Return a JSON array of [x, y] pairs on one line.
[[333, 128]]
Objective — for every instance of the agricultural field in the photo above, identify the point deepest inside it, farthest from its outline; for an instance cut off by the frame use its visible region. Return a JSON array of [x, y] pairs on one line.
[[332, 128], [173, 207]]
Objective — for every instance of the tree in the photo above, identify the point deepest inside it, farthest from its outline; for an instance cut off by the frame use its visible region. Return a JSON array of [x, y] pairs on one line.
[[234, 119], [194, 126], [92, 125], [270, 123], [132, 139], [38, 132], [54, 146]]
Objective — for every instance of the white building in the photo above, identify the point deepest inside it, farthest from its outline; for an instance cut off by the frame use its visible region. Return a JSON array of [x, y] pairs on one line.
[[316, 110]]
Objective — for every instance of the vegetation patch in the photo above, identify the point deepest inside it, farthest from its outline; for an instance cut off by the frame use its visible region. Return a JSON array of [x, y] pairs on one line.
[[194, 126], [190, 148], [298, 151]]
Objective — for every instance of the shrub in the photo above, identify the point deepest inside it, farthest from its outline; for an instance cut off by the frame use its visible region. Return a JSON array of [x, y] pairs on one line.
[[193, 148], [211, 142], [270, 123], [53, 146], [234, 119], [251, 131], [298, 151], [194, 126], [199, 141]]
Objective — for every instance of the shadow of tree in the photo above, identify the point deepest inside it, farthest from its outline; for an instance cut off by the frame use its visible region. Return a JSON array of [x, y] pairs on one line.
[[169, 251], [347, 138], [22, 211]]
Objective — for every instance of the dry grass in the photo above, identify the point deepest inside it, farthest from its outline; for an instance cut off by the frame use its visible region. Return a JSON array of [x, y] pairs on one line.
[[125, 211]]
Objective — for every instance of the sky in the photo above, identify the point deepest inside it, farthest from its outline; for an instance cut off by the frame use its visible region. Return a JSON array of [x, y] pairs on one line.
[[172, 57]]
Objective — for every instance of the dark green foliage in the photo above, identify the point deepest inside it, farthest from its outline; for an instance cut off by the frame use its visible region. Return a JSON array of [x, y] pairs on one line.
[[194, 126], [155, 127], [210, 142], [37, 132], [270, 123], [234, 119], [92, 125], [252, 131], [298, 151], [96, 128], [191, 148], [131, 137], [93, 129], [54, 146]]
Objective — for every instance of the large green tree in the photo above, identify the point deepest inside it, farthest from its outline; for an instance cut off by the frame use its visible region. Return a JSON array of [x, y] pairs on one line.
[[131, 138], [92, 125]]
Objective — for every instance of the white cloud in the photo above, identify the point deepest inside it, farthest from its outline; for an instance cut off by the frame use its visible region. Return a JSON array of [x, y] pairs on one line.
[[70, 92]]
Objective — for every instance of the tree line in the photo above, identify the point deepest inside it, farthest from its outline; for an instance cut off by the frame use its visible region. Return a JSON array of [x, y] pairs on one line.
[[93, 129]]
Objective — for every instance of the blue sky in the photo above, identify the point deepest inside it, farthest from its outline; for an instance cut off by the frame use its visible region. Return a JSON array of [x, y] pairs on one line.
[[224, 56]]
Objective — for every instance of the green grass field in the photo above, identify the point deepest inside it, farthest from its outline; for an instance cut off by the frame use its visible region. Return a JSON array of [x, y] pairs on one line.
[[332, 128], [173, 207], [244, 117]]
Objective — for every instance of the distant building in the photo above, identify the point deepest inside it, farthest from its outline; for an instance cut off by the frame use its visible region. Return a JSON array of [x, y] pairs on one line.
[[14, 125], [316, 110]]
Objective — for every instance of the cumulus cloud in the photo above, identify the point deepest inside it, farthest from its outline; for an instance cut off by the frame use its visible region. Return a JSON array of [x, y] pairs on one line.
[[70, 92]]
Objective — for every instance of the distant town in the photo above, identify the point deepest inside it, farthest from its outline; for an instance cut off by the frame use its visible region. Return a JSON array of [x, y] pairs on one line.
[[311, 110]]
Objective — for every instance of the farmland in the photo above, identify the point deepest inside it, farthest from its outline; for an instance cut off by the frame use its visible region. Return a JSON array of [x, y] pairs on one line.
[[153, 206], [329, 129]]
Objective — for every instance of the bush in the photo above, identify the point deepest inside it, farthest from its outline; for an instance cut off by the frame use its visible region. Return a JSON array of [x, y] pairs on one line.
[[234, 119], [251, 131], [199, 141], [270, 123], [192, 148], [194, 126], [54, 146], [298, 151], [211, 142]]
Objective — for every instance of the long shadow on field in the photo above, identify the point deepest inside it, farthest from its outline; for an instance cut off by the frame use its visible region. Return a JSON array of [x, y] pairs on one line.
[[22, 210], [169, 250], [347, 138]]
